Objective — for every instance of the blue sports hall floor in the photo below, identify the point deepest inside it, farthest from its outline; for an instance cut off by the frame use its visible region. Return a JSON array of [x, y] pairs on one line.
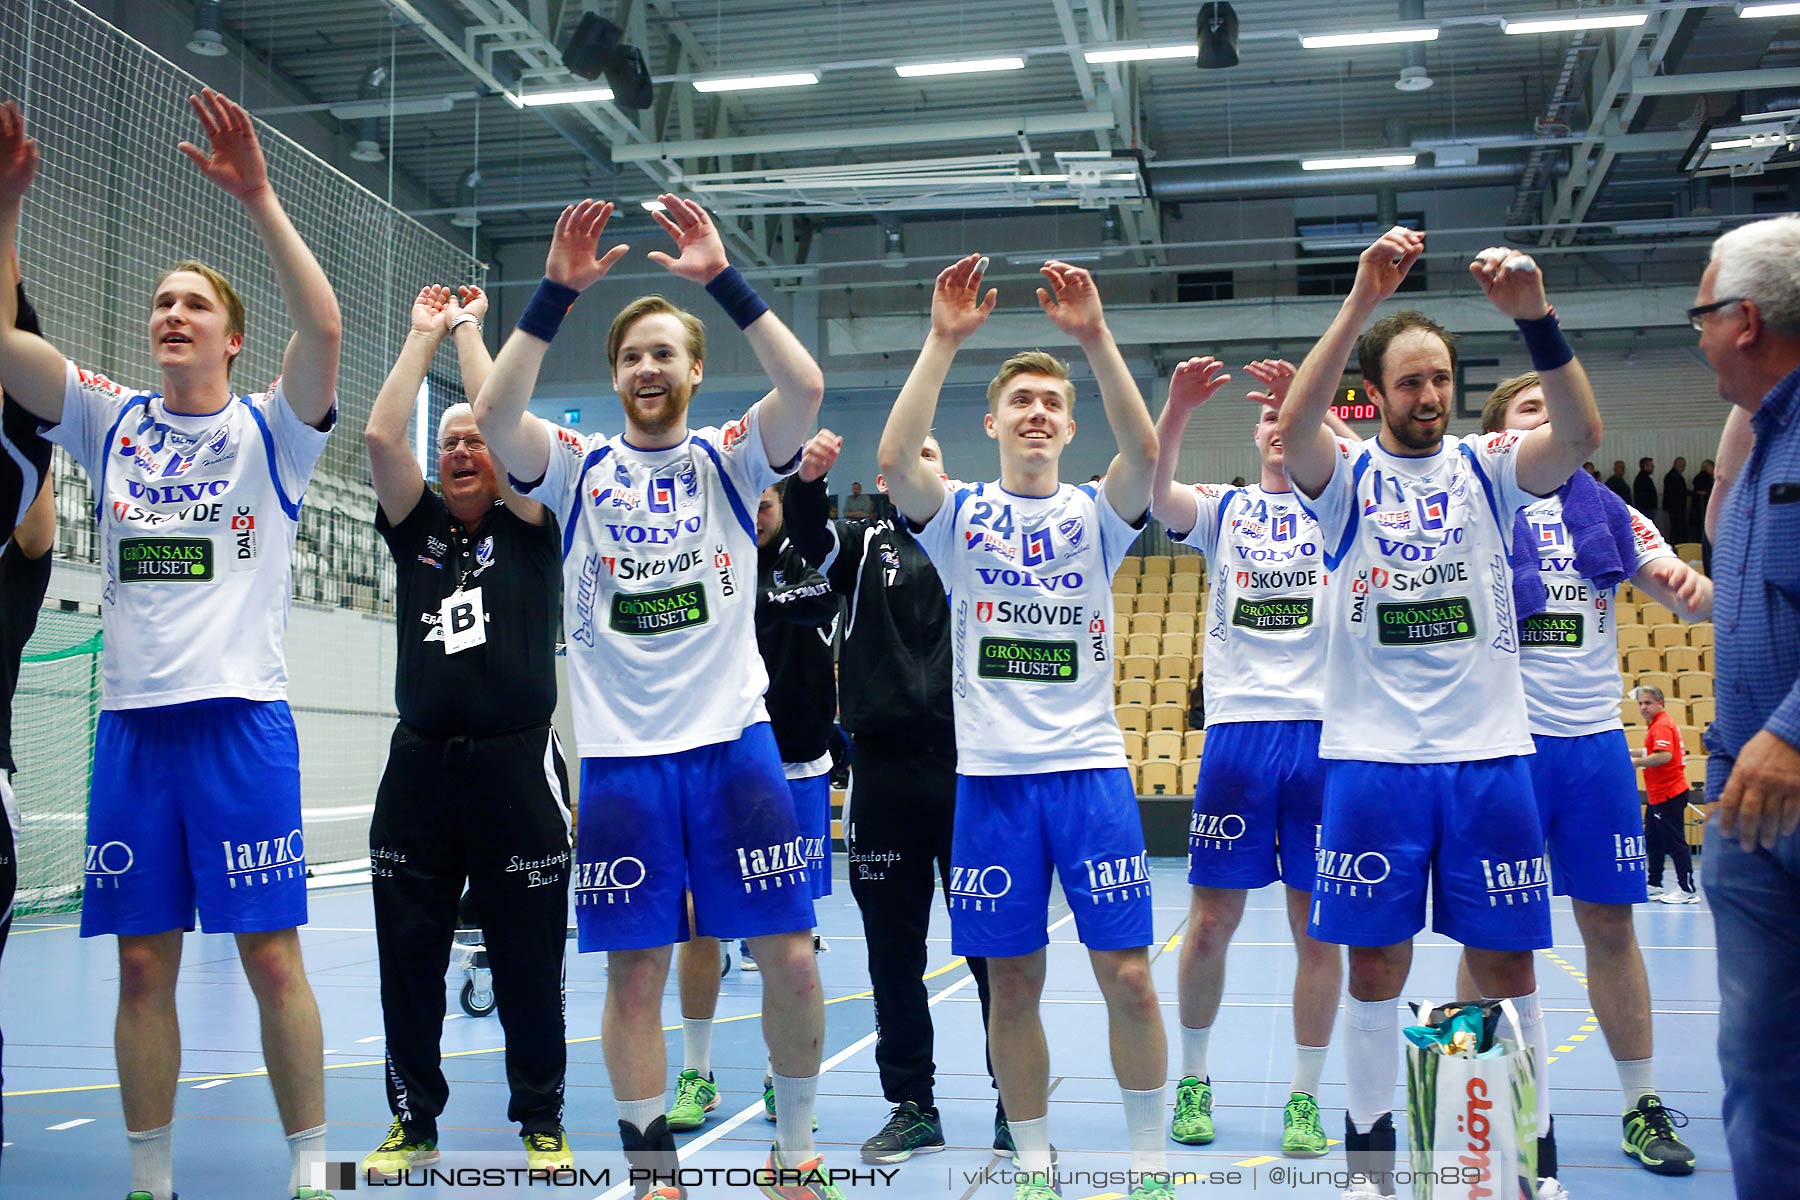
[[66, 1135]]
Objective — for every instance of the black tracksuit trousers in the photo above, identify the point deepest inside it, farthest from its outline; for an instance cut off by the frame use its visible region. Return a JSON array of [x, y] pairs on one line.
[[901, 809], [493, 811]]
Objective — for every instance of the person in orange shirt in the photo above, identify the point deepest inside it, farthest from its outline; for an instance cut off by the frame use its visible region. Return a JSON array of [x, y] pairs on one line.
[[1665, 782]]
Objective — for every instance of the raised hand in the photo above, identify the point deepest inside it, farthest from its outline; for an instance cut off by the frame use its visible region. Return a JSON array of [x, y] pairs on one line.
[[1195, 382], [1275, 374], [1384, 266], [571, 260], [234, 160], [819, 456], [1073, 302], [957, 305], [469, 299], [1512, 281], [18, 153], [430, 309], [702, 249]]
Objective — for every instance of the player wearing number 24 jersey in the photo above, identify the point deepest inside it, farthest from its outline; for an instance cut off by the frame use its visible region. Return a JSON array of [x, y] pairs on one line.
[[1027, 564]]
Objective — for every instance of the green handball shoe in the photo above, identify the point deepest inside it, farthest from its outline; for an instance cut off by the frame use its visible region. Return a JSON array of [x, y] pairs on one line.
[[1302, 1136], [1193, 1123], [1035, 1187], [1157, 1188], [695, 1096], [1650, 1138]]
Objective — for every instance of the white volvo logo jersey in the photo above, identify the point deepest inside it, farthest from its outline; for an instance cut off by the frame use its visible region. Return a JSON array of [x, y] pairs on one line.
[[659, 586], [1570, 651], [1423, 664], [1265, 634], [197, 518], [1030, 587]]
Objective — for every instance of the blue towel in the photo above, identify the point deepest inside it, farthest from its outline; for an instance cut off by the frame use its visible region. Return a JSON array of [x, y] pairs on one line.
[[1599, 526]]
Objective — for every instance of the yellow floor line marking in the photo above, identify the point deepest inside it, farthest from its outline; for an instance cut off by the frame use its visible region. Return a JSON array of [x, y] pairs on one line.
[[1173, 942], [1256, 1162]]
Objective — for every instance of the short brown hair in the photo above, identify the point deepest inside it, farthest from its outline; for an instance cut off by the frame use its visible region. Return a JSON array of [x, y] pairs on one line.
[[1029, 362], [650, 306], [234, 303], [1493, 413], [1371, 348]]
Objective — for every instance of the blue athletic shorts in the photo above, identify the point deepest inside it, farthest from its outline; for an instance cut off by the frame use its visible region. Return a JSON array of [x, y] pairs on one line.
[[812, 809], [1012, 829], [1587, 799], [1470, 829], [716, 820], [1256, 809], [195, 805]]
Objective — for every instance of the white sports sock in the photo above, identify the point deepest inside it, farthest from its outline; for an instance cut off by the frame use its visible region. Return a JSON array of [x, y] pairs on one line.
[[153, 1161], [1531, 1028], [1309, 1064], [1193, 1052], [304, 1149], [1145, 1113], [795, 1099], [1371, 1059], [1031, 1139], [640, 1113], [696, 1044], [1636, 1079]]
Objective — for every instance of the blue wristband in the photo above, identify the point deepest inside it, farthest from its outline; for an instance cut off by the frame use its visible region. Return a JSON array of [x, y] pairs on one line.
[[543, 316], [736, 297], [1545, 342]]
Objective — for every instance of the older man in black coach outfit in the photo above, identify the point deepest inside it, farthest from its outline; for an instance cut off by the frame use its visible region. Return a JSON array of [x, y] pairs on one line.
[[475, 786]]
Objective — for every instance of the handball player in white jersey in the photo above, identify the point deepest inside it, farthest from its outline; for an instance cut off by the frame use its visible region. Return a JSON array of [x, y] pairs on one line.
[[1027, 563], [1427, 787], [1586, 787], [195, 798], [1261, 789], [681, 781]]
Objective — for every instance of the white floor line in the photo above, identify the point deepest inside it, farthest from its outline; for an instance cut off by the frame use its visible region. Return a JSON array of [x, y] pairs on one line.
[[69, 1124], [209, 1084], [756, 1110]]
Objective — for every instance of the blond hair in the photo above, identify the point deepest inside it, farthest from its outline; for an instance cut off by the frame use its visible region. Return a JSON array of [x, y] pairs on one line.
[[1029, 362], [1493, 413]]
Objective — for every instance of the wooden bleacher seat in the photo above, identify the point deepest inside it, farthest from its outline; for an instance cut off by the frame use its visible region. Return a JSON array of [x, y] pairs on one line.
[[1138, 666], [1700, 636], [1194, 744], [1132, 718], [1164, 744], [1694, 685], [1644, 658], [1657, 679], [1135, 691], [1702, 712], [1143, 643], [1134, 747], [1175, 666], [1631, 637], [1168, 716], [1664, 636], [1146, 623], [1159, 779], [1655, 614], [1634, 737], [1189, 564], [1158, 564], [1678, 660], [1183, 602], [1130, 568], [1190, 776], [1171, 691], [1690, 740], [1625, 613], [1152, 603], [1178, 622], [1184, 583], [1183, 644]]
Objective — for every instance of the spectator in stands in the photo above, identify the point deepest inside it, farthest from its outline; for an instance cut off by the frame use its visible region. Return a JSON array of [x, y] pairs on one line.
[[1197, 702], [1237, 481], [1617, 482], [1663, 762], [1701, 487], [1747, 311], [856, 505], [1643, 489], [1591, 469], [1675, 501]]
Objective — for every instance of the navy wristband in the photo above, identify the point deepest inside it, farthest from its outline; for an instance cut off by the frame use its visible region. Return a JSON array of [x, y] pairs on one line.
[[736, 297], [543, 316], [1545, 342]]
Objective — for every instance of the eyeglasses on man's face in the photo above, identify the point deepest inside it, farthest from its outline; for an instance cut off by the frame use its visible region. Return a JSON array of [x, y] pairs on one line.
[[1697, 315], [474, 444]]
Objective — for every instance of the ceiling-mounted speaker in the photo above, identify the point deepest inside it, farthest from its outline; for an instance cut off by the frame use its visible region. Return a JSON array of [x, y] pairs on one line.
[[592, 46], [598, 47], [1217, 29]]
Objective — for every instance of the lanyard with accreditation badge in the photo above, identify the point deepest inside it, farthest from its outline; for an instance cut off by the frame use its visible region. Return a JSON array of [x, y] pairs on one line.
[[461, 617]]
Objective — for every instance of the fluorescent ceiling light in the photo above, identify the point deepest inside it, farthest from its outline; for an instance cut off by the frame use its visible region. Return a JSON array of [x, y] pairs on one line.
[[1141, 53], [1554, 24], [356, 110], [1769, 10], [1379, 37], [566, 96], [1364, 160], [746, 83], [968, 66], [1754, 141], [654, 206]]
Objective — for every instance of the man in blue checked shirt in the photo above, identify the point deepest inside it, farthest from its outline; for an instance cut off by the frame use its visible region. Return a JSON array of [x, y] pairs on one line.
[[1747, 312]]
